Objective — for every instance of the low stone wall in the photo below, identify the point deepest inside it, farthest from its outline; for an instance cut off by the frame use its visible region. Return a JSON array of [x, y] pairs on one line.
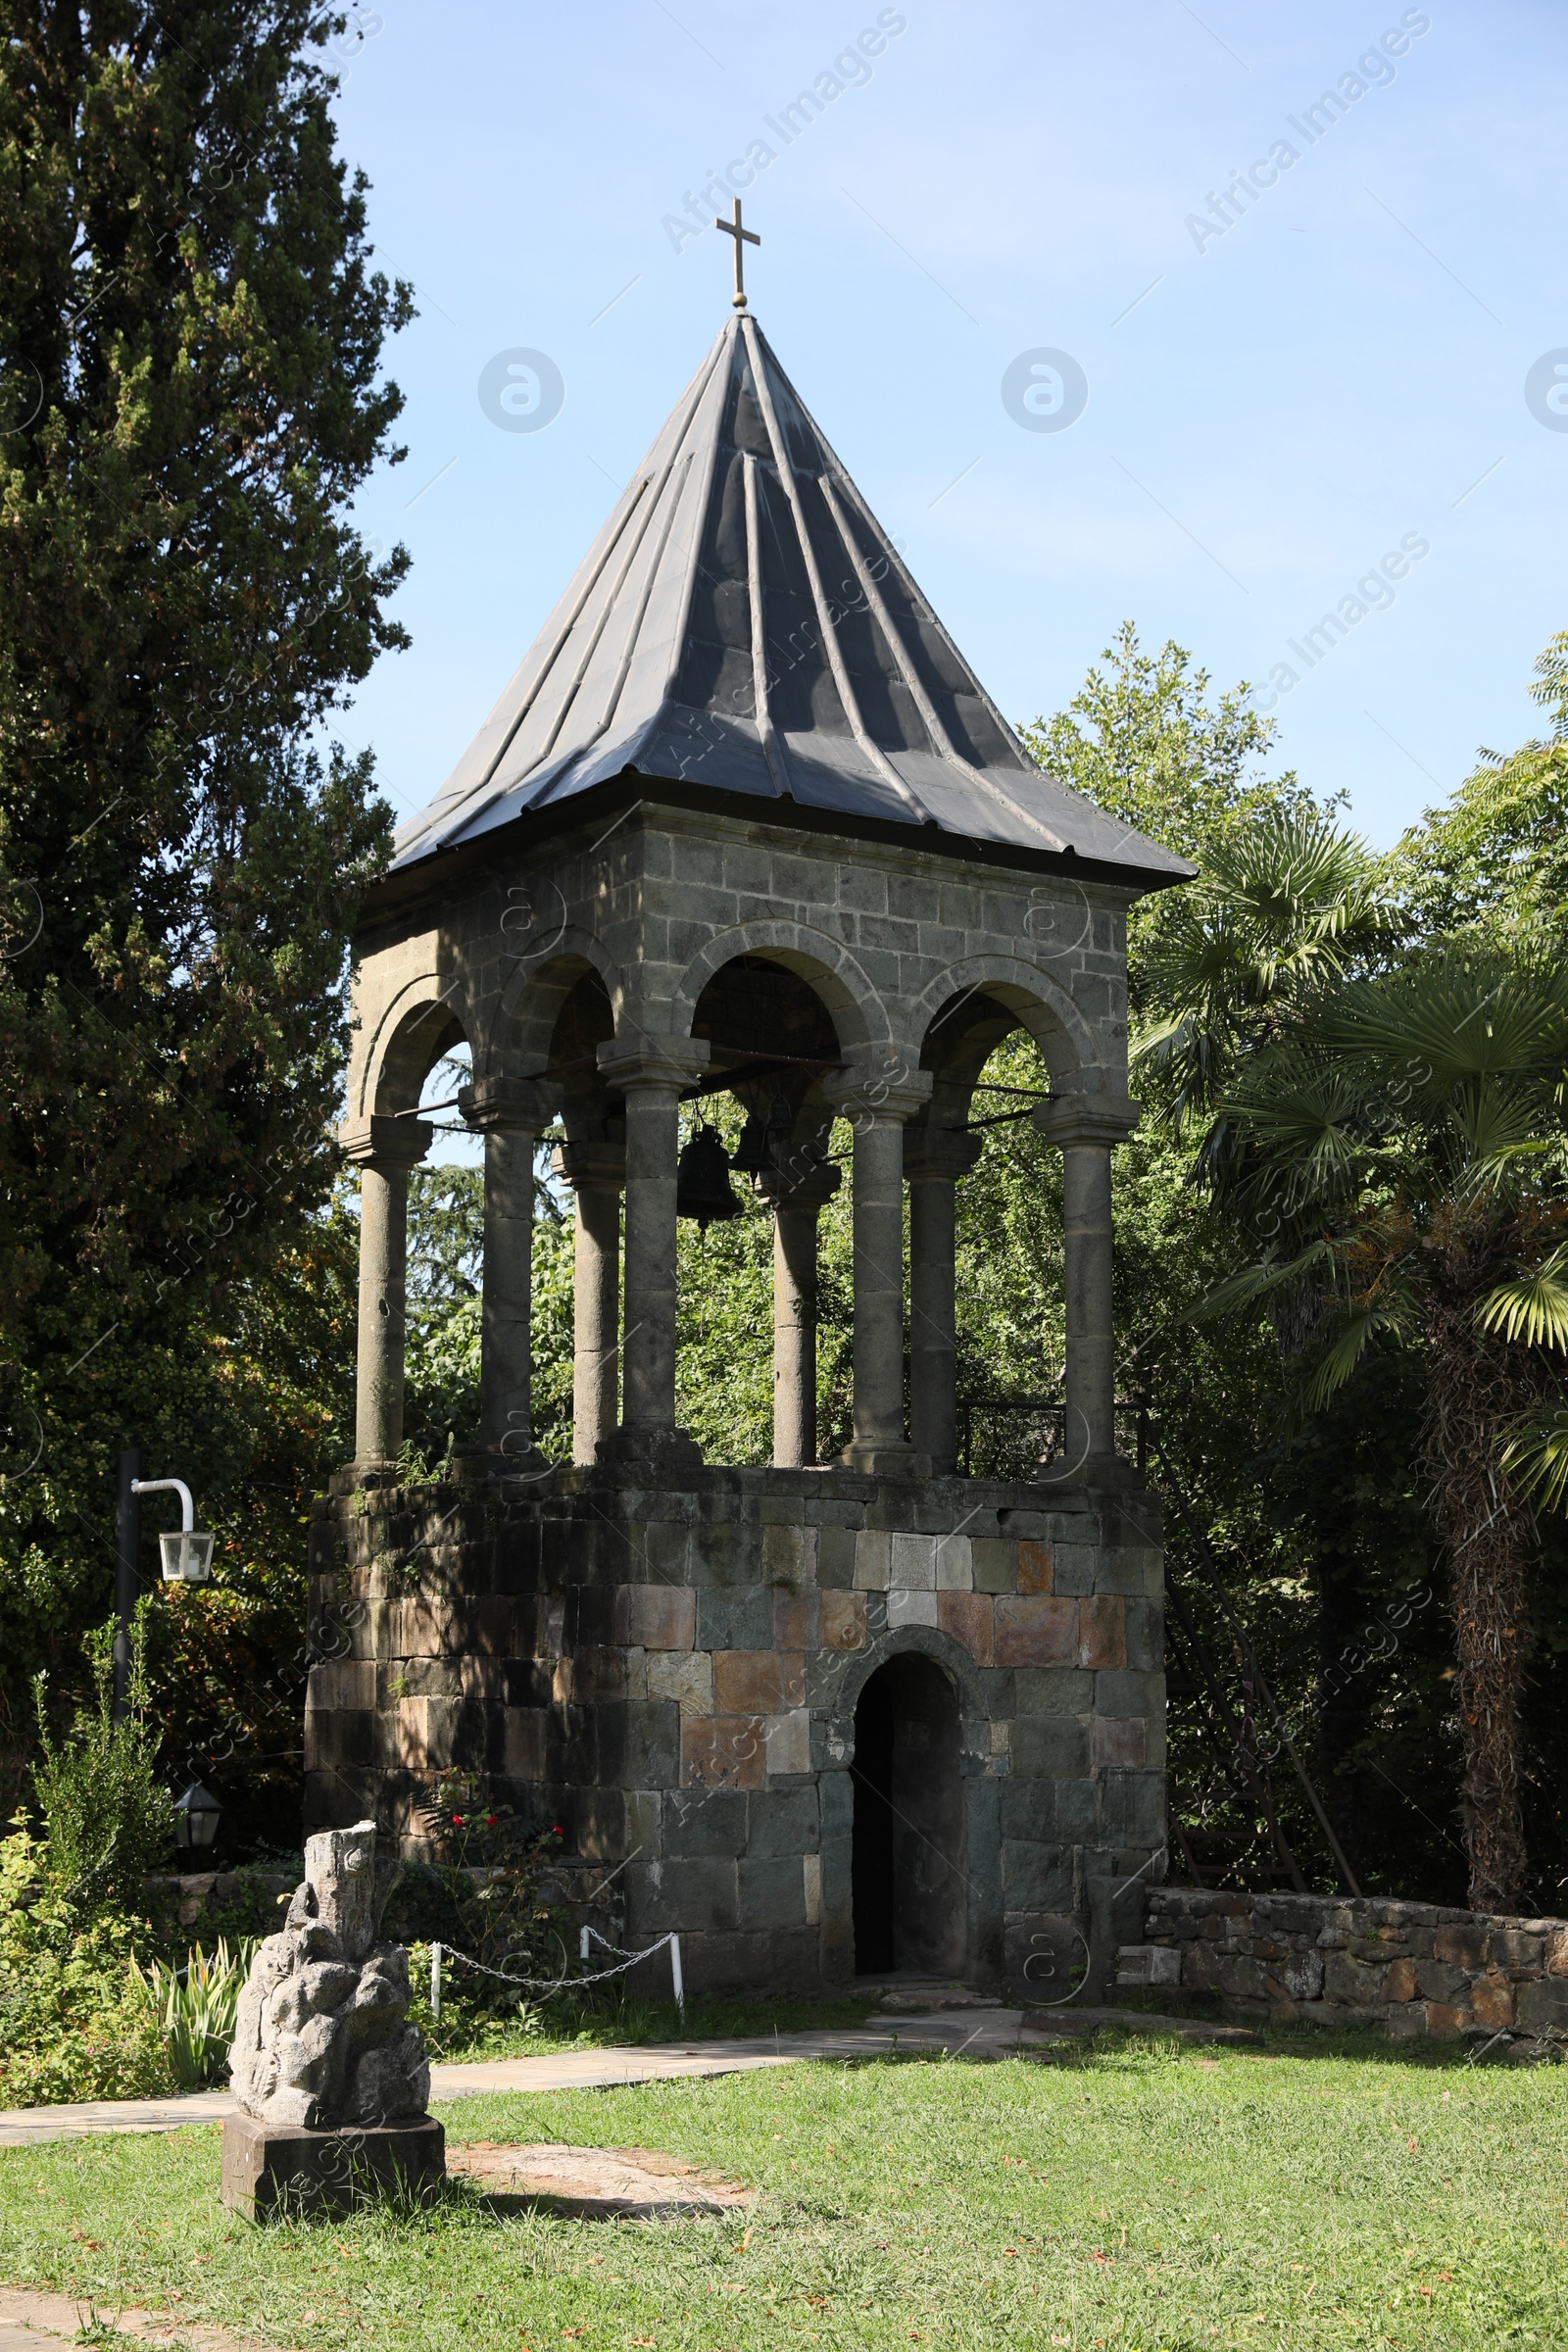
[[1416, 1968], [198, 1897]]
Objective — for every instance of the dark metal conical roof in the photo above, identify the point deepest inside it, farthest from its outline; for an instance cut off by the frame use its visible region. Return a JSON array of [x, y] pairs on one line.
[[743, 622]]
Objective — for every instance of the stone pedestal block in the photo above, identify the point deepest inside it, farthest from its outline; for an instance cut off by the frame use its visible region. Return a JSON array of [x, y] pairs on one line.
[[278, 2168]]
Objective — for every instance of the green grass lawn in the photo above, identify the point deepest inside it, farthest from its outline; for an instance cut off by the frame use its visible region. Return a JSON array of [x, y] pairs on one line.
[[1129, 2194], [564, 2023]]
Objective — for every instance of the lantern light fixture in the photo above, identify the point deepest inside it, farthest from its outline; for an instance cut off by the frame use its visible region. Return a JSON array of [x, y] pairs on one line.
[[196, 1817], [187, 1553]]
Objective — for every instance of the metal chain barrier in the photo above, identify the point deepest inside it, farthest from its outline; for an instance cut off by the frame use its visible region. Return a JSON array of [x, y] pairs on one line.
[[546, 1986]]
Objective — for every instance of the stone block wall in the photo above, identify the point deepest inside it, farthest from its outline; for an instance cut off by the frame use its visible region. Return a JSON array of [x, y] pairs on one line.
[[674, 1676], [1416, 1968]]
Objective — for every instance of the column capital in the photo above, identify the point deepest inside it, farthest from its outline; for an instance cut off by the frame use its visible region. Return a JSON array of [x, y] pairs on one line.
[[584, 1161], [937, 1151], [880, 1093], [502, 1105], [651, 1060], [385, 1144], [811, 1187], [1105, 1119]]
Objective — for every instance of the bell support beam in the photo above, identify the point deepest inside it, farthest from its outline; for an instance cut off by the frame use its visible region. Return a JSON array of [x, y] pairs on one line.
[[934, 1158], [877, 1102], [1087, 1128], [384, 1151], [651, 1071]]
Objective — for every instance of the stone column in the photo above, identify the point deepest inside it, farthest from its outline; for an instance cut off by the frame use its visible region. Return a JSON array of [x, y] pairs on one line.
[[597, 1174], [877, 1107], [383, 1151], [798, 1203], [509, 1114], [1088, 1128], [653, 1072], [934, 1158]]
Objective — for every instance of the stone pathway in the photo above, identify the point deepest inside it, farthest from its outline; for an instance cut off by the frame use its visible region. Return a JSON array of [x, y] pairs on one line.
[[971, 2033], [29, 2320]]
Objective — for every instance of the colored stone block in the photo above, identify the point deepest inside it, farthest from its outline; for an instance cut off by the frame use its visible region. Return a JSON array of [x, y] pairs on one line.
[[1036, 1630]]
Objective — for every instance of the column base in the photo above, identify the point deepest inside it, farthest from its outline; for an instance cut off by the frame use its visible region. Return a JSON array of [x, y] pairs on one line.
[[500, 1462], [1094, 1470], [657, 1447], [368, 1473], [877, 1459]]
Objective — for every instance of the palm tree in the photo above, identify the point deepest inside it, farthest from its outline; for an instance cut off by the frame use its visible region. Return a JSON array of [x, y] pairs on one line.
[[1287, 906], [1407, 1143]]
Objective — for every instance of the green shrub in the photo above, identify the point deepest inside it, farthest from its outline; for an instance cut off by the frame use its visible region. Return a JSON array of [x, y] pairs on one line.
[[195, 2005], [74, 2022], [108, 1819]]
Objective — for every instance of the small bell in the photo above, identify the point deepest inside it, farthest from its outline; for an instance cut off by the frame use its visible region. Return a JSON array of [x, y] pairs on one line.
[[703, 1189]]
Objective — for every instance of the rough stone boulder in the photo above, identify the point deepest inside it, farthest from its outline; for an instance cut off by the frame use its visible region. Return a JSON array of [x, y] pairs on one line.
[[323, 2038]]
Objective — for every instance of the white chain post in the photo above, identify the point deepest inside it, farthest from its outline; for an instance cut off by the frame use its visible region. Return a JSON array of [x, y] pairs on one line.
[[678, 1979], [435, 1982]]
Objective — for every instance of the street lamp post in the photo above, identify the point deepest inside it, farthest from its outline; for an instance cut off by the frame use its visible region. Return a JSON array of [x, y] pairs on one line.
[[127, 1571]]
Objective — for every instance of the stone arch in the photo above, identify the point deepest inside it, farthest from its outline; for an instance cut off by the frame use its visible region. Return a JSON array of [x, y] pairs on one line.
[[854, 1005], [532, 996], [419, 1022], [1066, 1039], [931, 1642]]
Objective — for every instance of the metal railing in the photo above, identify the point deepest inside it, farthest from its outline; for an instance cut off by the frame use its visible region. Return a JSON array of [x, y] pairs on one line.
[[1035, 1440]]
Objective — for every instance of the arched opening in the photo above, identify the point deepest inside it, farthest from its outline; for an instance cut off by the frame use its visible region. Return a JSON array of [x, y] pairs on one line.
[[908, 1882], [747, 1364], [988, 1346]]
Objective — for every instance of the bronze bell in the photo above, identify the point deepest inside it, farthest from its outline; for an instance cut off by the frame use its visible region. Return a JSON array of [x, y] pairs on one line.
[[763, 1144], [703, 1189]]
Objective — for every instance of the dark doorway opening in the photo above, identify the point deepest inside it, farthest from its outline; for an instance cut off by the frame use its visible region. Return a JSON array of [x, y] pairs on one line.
[[908, 1874]]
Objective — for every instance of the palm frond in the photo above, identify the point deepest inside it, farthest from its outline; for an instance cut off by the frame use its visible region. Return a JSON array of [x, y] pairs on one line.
[[1533, 1308], [1536, 1456], [1498, 1124], [1255, 1281], [1387, 1314], [1467, 1012], [1306, 1117]]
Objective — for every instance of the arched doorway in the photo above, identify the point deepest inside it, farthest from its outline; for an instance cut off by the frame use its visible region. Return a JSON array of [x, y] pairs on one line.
[[909, 1846]]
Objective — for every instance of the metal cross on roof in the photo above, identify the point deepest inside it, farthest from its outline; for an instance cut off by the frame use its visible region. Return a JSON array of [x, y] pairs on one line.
[[743, 237]]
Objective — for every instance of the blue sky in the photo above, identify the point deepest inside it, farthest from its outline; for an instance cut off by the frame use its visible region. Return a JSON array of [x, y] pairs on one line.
[[1276, 401]]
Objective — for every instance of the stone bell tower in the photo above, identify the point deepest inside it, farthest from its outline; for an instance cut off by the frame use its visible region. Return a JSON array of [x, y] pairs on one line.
[[745, 820]]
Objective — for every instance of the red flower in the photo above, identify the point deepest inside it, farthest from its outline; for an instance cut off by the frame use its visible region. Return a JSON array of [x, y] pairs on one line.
[[490, 1821], [457, 1820], [558, 1831]]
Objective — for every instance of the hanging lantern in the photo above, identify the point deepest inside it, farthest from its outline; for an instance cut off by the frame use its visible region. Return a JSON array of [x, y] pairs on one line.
[[196, 1817], [703, 1189]]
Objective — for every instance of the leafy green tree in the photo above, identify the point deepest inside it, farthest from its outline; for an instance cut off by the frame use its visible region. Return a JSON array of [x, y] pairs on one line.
[[1142, 739], [1410, 1139], [190, 396], [1495, 858]]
